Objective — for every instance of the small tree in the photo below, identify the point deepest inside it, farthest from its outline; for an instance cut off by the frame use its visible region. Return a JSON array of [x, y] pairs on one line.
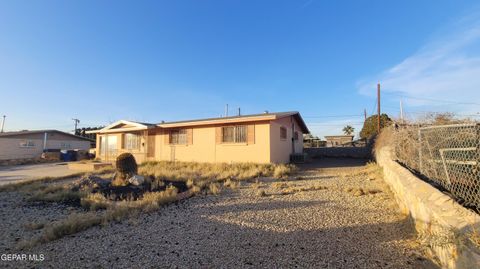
[[370, 125], [348, 130]]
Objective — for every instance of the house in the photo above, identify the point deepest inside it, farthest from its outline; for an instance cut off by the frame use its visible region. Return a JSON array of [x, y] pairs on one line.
[[310, 141], [31, 144], [259, 138], [339, 140]]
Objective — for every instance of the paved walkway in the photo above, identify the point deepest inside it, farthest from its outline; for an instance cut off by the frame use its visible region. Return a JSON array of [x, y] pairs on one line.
[[14, 173]]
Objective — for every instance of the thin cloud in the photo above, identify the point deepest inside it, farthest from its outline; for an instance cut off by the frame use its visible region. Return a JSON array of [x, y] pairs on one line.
[[446, 68]]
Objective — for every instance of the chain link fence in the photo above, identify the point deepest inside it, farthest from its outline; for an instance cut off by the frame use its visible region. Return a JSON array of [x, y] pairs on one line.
[[448, 155]]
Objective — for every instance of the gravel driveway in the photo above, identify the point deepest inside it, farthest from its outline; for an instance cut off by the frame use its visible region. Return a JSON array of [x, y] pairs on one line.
[[328, 228]]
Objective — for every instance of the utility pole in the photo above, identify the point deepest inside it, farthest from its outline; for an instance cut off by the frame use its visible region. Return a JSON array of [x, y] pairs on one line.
[[3, 123], [77, 121], [226, 110], [239, 114], [401, 112], [378, 109], [365, 114]]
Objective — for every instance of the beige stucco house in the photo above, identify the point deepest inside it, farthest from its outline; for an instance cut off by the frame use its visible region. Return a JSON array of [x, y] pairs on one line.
[[31, 144], [259, 138]]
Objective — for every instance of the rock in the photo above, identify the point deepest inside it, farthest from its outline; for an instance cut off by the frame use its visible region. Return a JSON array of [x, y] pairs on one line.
[[90, 182], [136, 180]]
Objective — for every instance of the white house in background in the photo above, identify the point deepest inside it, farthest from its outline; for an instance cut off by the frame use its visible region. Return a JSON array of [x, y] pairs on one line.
[[31, 144]]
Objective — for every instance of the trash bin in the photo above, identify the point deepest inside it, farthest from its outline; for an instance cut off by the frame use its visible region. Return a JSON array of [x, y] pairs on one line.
[[68, 155]]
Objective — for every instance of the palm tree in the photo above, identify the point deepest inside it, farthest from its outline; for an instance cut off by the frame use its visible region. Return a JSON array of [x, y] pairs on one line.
[[348, 130]]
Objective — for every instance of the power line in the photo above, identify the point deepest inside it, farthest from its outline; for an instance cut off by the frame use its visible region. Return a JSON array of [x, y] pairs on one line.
[[432, 100]]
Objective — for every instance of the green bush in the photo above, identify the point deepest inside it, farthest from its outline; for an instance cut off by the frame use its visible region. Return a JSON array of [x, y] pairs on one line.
[[370, 125]]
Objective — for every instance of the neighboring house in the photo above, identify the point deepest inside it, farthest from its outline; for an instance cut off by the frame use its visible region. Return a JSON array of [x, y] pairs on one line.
[[31, 144], [339, 140], [260, 138], [310, 141]]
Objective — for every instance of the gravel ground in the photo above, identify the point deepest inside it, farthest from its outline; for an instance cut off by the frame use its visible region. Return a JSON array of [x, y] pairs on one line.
[[328, 228]]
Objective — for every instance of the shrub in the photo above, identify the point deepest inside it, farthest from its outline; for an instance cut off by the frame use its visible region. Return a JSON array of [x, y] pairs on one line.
[[126, 167], [370, 126]]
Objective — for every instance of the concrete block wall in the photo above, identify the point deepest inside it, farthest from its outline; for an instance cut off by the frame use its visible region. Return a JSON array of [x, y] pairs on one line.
[[442, 223], [350, 152]]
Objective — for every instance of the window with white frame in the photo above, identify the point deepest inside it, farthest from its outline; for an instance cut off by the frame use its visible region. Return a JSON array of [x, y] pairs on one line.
[[131, 141], [178, 137], [27, 144], [234, 134]]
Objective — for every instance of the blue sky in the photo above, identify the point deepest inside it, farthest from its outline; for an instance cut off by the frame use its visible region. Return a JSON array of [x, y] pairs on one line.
[[101, 61]]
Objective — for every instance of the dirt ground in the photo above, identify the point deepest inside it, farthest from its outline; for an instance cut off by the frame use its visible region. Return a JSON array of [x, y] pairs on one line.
[[328, 224]]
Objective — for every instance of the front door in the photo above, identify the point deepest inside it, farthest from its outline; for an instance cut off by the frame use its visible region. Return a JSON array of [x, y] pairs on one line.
[[151, 144]]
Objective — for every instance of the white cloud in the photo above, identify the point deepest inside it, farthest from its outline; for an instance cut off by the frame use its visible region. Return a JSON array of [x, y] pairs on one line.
[[446, 68]]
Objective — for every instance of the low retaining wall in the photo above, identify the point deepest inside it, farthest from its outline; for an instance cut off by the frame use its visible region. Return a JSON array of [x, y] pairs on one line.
[[443, 224], [351, 152]]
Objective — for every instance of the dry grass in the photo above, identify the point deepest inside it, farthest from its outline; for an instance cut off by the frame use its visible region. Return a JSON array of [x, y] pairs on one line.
[[184, 171], [297, 189], [232, 184], [282, 171], [37, 225], [56, 193], [256, 185], [214, 188], [95, 201], [260, 193], [474, 236], [116, 211], [358, 191], [371, 171], [281, 185]]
